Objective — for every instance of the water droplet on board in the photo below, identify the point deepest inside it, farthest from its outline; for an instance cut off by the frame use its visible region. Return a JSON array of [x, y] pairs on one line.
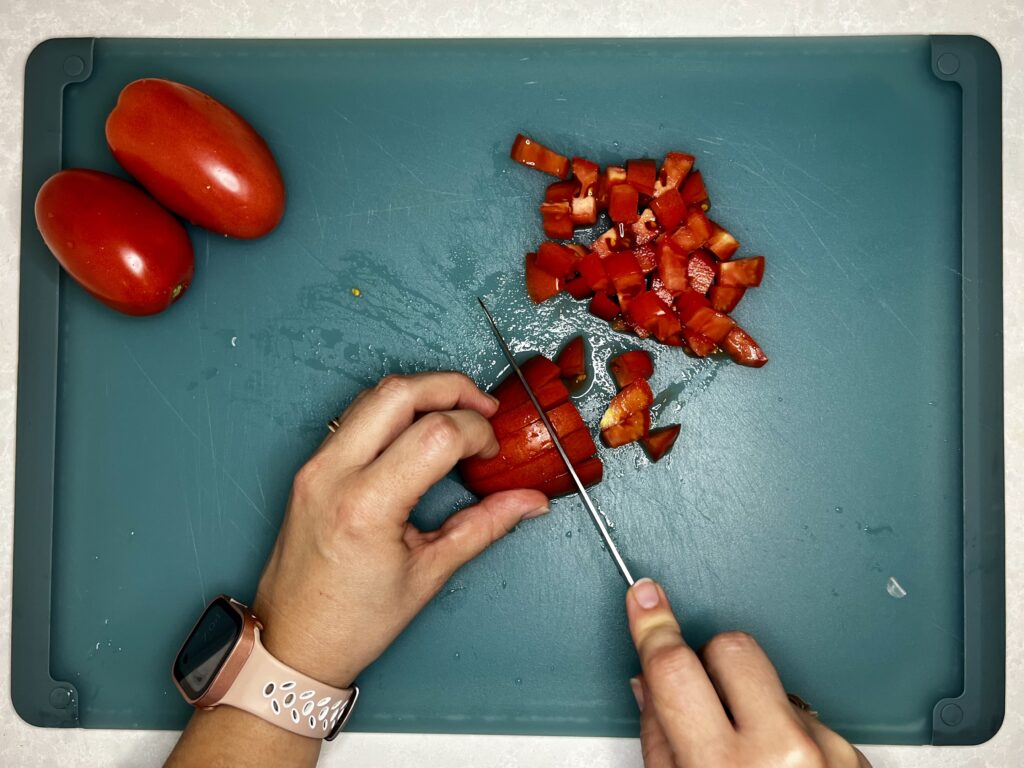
[[504, 584], [895, 589], [234, 341], [838, 510], [456, 655], [519, 681]]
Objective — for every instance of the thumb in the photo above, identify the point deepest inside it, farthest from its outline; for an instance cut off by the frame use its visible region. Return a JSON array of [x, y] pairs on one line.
[[470, 531]]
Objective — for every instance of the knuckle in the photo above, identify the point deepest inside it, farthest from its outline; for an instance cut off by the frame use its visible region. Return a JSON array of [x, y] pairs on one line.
[[728, 644], [802, 750], [393, 387], [440, 433], [671, 663], [307, 478]]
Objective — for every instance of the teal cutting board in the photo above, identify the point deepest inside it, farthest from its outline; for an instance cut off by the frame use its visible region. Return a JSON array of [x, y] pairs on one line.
[[155, 455]]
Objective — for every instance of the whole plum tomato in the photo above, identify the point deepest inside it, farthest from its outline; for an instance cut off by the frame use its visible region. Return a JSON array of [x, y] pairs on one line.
[[115, 240], [197, 157]]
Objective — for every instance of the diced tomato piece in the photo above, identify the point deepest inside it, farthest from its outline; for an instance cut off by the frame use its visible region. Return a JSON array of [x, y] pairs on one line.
[[648, 311], [673, 171], [698, 343], [693, 234], [557, 220], [633, 398], [608, 242], [743, 349], [669, 208], [645, 229], [721, 243], [533, 154], [641, 175], [538, 371], [589, 472], [583, 211], [707, 322], [700, 271], [630, 366], [556, 259], [693, 191], [742, 273], [603, 307], [560, 191], [578, 250], [625, 325], [612, 176], [539, 284], [658, 286], [659, 441], [646, 257], [623, 201], [586, 174], [572, 361], [625, 273], [591, 269], [511, 394], [579, 289], [724, 298], [673, 267], [631, 429], [687, 304]]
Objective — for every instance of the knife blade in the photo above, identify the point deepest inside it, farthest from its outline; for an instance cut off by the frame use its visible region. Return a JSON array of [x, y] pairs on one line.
[[580, 490]]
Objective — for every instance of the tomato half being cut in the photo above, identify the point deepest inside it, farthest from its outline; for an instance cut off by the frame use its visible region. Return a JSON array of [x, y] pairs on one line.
[[526, 456]]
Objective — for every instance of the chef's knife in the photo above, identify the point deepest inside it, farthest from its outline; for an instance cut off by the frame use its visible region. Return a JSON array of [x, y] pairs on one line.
[[580, 490]]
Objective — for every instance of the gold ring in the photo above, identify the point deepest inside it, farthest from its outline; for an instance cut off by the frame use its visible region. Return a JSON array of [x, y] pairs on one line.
[[334, 425]]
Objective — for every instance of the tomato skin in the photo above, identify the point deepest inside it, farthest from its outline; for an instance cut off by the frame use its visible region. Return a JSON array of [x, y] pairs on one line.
[[197, 157], [114, 240]]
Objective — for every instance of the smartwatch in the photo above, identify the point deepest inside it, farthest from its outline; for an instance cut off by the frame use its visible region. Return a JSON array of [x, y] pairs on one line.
[[223, 662]]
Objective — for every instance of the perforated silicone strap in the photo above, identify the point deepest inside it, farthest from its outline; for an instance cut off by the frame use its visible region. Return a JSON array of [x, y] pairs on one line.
[[277, 693]]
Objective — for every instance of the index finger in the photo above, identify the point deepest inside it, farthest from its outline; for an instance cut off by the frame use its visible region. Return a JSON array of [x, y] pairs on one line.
[[685, 701], [380, 414]]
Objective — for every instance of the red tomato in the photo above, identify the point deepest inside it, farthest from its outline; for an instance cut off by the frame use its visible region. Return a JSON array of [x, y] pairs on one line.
[[630, 366], [572, 361], [527, 457], [115, 241], [197, 157], [533, 154], [659, 441], [539, 284]]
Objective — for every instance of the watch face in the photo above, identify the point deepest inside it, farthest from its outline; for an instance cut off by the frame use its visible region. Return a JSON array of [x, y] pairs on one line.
[[207, 648]]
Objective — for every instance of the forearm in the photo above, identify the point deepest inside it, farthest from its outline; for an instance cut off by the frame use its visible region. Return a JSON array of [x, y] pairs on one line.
[[226, 736]]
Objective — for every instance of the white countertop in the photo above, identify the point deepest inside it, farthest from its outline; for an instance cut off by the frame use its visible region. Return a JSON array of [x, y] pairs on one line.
[[25, 23]]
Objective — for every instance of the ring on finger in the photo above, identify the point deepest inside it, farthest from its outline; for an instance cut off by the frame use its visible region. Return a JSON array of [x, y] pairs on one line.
[[800, 704], [334, 424]]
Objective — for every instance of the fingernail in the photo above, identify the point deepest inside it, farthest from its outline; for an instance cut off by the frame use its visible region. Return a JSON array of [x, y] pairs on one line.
[[536, 512], [493, 399], [646, 593], [638, 692]]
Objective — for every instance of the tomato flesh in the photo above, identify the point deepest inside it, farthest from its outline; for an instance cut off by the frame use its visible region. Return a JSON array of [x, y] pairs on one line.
[[742, 273], [673, 268], [659, 441], [698, 343], [635, 396], [642, 175], [700, 271], [556, 219], [572, 362], [533, 154], [626, 274], [630, 366], [724, 298], [603, 307], [539, 284], [623, 201], [721, 243], [673, 170], [555, 259], [743, 349], [669, 208], [694, 192], [654, 315]]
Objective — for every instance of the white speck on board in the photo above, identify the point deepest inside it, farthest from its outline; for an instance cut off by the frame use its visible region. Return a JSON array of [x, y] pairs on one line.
[[234, 341], [894, 588]]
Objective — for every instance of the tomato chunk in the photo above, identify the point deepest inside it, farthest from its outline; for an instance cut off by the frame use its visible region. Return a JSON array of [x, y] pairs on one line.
[[572, 362], [693, 234], [694, 192], [559, 192], [673, 267], [646, 257], [707, 322], [648, 311], [633, 398], [659, 441], [556, 259], [584, 201], [629, 430], [642, 175], [673, 171], [623, 201], [743, 349], [539, 284], [698, 343], [613, 175], [721, 243], [630, 366], [645, 229], [669, 209], [579, 289], [625, 272], [533, 154], [557, 220], [700, 271], [742, 273], [591, 269], [589, 472], [724, 298], [603, 307]]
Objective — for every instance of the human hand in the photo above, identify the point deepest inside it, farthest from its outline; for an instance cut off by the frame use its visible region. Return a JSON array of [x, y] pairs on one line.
[[723, 707], [349, 571]]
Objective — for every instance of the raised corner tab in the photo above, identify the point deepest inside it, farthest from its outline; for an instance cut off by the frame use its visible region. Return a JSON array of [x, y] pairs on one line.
[[67, 59], [957, 57], [963, 721]]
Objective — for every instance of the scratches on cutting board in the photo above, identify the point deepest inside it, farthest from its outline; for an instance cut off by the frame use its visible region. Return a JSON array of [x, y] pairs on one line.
[[373, 140], [884, 305], [195, 551], [160, 393]]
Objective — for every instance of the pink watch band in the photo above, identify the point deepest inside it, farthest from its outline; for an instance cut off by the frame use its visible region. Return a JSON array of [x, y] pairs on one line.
[[278, 694]]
